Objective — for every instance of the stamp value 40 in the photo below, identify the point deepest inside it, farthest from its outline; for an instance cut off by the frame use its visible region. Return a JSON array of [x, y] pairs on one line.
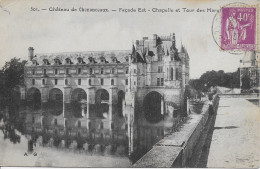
[[238, 28]]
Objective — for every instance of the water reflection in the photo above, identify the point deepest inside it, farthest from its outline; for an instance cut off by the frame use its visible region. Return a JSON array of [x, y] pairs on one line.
[[96, 135]]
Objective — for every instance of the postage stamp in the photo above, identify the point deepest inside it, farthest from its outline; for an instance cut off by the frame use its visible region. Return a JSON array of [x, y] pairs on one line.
[[238, 28]]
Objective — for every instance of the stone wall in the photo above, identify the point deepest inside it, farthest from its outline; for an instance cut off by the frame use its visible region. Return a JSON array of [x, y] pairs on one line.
[[176, 149]]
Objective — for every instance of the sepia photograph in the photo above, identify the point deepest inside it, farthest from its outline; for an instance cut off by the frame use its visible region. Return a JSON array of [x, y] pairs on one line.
[[130, 84]]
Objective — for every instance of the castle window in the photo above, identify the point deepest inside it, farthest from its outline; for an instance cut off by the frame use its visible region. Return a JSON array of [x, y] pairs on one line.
[[66, 81], [159, 57], [33, 81], [126, 70], [127, 60], [33, 119], [171, 58], [171, 73], [167, 73], [161, 81], [67, 71], [177, 74], [56, 71], [160, 69], [56, 81], [112, 82], [158, 81], [102, 71], [89, 82], [79, 70], [79, 124], [101, 125], [90, 71], [126, 81], [43, 81], [33, 71], [79, 81], [44, 71], [102, 81], [113, 71]]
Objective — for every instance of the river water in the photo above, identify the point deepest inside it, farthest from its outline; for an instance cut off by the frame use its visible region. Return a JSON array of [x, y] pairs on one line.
[[37, 137]]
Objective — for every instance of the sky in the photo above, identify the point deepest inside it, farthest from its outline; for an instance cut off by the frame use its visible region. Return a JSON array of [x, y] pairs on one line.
[[54, 31]]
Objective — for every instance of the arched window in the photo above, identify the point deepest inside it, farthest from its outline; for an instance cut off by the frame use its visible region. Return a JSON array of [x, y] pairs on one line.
[[89, 82], [79, 70], [33, 81], [43, 81], [44, 71], [112, 82], [102, 71], [33, 71], [90, 71]]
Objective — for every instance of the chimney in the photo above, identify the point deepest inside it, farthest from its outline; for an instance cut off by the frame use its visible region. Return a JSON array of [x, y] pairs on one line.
[[30, 53], [173, 40]]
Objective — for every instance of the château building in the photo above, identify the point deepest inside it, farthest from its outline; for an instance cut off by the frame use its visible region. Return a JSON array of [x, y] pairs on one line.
[[249, 66], [146, 83]]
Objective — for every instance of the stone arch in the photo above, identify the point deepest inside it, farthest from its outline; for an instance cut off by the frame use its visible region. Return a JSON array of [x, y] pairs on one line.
[[34, 98], [120, 102], [55, 102], [77, 96], [102, 100], [152, 107], [102, 96]]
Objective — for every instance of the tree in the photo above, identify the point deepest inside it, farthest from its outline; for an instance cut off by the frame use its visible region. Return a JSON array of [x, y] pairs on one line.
[[14, 75], [245, 82]]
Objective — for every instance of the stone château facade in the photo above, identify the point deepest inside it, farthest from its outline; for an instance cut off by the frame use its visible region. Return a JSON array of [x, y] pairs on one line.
[[145, 83]]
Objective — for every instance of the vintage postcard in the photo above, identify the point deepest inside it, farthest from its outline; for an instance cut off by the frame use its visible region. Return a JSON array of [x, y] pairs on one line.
[[120, 83]]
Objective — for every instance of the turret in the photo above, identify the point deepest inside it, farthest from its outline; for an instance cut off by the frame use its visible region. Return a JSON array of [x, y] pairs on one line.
[[30, 53]]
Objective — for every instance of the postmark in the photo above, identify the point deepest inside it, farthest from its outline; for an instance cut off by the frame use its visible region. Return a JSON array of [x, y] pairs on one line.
[[238, 28]]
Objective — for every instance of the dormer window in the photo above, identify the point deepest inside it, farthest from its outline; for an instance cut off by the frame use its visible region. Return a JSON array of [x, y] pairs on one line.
[[46, 62], [57, 61], [68, 61], [80, 61], [35, 62]]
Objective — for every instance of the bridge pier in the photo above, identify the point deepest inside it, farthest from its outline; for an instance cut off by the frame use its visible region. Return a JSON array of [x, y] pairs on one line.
[[44, 97], [66, 101]]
